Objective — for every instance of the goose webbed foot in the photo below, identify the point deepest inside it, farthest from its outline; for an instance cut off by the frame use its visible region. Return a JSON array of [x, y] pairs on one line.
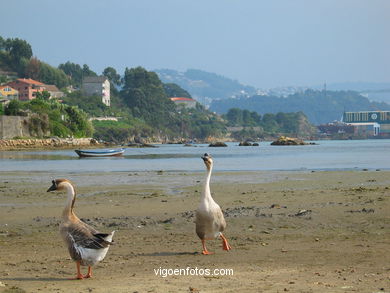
[[89, 274], [205, 251], [225, 244], [79, 275]]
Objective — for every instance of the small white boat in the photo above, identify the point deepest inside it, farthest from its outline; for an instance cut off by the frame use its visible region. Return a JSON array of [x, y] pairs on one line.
[[101, 153]]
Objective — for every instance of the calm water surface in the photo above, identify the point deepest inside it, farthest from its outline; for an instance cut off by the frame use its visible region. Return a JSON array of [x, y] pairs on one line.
[[327, 155]]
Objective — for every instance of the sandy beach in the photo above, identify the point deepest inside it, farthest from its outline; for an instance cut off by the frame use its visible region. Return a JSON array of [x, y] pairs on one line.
[[290, 232]]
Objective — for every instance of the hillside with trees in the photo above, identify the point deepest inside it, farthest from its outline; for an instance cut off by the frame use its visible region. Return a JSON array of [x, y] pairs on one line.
[[146, 111], [16, 56], [250, 124], [319, 106]]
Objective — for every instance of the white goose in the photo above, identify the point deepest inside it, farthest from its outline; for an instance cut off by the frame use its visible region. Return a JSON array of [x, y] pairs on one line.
[[86, 245], [210, 222]]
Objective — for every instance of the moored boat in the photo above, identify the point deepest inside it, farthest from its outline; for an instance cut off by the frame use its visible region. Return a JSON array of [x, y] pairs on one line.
[[100, 153]]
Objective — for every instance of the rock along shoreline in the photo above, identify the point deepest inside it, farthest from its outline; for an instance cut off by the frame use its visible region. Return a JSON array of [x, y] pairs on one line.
[[45, 143]]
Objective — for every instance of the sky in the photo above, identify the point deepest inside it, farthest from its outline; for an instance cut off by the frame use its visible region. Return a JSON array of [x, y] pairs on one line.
[[262, 43]]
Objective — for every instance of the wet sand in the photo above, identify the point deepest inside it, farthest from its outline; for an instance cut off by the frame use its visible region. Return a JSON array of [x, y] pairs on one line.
[[290, 232]]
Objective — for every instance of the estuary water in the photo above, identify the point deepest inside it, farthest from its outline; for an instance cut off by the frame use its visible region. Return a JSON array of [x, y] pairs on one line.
[[326, 155]]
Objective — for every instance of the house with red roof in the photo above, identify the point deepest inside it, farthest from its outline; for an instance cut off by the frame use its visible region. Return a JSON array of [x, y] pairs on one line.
[[27, 88], [185, 102]]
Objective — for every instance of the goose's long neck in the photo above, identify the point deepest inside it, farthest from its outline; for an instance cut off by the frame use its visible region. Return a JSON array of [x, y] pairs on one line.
[[206, 194], [71, 198]]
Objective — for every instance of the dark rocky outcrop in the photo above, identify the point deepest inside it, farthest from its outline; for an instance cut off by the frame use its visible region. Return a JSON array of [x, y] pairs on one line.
[[248, 143], [218, 144], [284, 140]]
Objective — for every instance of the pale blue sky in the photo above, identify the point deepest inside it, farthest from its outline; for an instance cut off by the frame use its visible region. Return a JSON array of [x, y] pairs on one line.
[[260, 43]]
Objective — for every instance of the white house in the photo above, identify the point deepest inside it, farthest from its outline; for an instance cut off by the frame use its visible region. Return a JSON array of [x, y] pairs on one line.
[[97, 85]]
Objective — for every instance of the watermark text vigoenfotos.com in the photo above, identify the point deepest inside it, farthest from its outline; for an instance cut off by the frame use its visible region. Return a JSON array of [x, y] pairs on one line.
[[166, 272]]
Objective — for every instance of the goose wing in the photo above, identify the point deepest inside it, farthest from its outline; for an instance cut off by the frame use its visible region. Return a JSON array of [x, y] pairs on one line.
[[219, 220], [79, 236]]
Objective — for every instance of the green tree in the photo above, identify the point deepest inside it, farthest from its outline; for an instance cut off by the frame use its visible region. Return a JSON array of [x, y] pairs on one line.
[[112, 75], [77, 122], [234, 117], [13, 108], [18, 49], [247, 118], [1, 109], [33, 68], [2, 43], [269, 123], [74, 72], [173, 90], [51, 75], [87, 71], [256, 117], [44, 95], [144, 93], [19, 52]]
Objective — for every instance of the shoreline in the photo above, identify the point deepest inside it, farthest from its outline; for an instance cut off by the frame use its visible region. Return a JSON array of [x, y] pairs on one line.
[[24, 144]]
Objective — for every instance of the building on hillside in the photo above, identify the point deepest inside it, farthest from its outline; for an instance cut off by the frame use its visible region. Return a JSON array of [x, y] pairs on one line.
[[9, 93], [54, 92], [372, 123], [185, 102], [27, 88], [97, 85]]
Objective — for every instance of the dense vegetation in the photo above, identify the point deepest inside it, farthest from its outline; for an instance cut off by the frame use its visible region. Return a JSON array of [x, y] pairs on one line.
[[51, 118], [173, 90], [76, 73], [14, 54], [254, 125], [319, 106]]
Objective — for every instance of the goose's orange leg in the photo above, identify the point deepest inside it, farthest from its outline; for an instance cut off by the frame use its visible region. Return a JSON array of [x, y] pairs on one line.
[[89, 274], [225, 244], [205, 251], [79, 276]]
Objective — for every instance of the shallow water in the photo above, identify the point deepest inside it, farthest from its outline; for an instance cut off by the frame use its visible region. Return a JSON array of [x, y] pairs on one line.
[[327, 155]]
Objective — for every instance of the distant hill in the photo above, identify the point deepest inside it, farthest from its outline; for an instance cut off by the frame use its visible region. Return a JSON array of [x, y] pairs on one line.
[[374, 91], [319, 106], [358, 86], [205, 86]]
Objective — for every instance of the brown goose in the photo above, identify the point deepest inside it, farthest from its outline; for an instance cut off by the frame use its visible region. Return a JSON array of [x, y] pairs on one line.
[[210, 222], [86, 245]]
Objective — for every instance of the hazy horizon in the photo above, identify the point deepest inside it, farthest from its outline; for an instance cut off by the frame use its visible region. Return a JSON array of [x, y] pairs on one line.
[[263, 44]]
